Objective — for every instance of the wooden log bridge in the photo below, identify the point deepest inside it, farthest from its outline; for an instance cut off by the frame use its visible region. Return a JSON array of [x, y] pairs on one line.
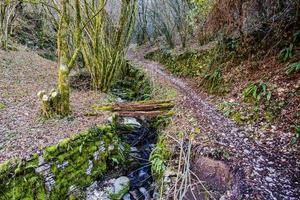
[[138, 109]]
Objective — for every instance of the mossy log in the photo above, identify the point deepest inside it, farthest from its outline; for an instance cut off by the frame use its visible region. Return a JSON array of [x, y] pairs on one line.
[[138, 109]]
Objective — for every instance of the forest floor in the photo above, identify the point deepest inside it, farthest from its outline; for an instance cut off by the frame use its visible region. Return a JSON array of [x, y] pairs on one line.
[[22, 130], [265, 160]]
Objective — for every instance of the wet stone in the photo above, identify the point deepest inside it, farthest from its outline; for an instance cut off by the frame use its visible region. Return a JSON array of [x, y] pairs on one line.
[[41, 160], [94, 192], [145, 193], [43, 169], [130, 121], [126, 197], [135, 194]]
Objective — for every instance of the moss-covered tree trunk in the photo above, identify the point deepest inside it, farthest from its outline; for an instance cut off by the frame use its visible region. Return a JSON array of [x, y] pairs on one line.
[[5, 13], [63, 107], [58, 101], [105, 43]]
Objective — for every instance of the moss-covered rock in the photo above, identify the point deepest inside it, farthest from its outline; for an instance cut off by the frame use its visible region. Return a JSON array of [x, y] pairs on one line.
[[120, 187], [73, 163]]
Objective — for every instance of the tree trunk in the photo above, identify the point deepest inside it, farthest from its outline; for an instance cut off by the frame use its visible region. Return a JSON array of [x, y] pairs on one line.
[[63, 107], [63, 89]]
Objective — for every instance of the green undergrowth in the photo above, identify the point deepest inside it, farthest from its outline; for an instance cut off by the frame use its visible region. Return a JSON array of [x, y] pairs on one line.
[[250, 113], [213, 82], [257, 92], [133, 85], [159, 158], [188, 64], [2, 106], [293, 68], [69, 162], [204, 67]]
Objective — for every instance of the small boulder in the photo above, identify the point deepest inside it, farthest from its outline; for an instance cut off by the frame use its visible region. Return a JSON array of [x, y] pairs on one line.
[[120, 187], [130, 121]]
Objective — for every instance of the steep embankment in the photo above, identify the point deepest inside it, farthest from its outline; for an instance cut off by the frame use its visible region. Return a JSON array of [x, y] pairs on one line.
[[264, 157]]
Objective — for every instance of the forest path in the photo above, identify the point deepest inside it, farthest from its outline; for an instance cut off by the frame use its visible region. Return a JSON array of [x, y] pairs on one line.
[[267, 159]]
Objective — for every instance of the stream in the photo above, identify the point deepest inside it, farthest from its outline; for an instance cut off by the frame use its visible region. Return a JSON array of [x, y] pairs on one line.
[[133, 181], [137, 174]]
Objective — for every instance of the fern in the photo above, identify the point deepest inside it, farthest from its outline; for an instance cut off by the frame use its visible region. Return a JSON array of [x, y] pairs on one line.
[[213, 81], [158, 158], [257, 91], [286, 53], [227, 108], [295, 67], [296, 36]]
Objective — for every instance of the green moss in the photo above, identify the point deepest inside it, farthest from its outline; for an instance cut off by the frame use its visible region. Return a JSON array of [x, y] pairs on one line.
[[23, 185], [237, 117], [100, 166], [19, 181], [82, 149], [50, 152], [64, 144], [188, 64], [7, 165]]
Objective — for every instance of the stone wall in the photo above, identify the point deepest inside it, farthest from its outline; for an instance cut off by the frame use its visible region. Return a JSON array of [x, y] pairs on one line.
[[62, 171]]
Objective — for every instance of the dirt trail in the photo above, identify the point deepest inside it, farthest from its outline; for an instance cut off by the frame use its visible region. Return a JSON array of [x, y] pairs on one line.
[[270, 164]]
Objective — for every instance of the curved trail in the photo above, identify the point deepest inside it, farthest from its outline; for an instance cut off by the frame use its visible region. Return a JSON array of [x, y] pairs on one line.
[[270, 165]]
